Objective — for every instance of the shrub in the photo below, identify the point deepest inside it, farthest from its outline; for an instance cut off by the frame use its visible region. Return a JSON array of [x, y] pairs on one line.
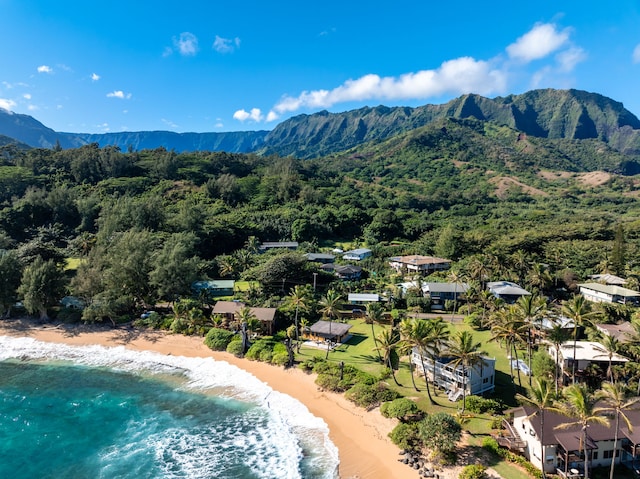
[[266, 355], [401, 408], [235, 347], [474, 320], [480, 405], [440, 432], [369, 395], [218, 339], [491, 445], [405, 436], [280, 358], [473, 471]]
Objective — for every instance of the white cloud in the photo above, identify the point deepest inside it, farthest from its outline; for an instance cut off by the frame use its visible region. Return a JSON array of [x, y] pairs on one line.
[[186, 44], [242, 115], [459, 76], [119, 94], [568, 59], [272, 116], [636, 54], [27, 96], [95, 77], [169, 123], [225, 45], [32, 108], [538, 42], [7, 104], [45, 69]]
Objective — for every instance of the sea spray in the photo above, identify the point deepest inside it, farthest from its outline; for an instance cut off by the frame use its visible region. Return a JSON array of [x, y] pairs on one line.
[[283, 439]]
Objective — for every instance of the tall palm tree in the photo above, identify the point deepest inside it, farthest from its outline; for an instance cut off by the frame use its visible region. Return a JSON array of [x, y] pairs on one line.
[[611, 346], [579, 311], [374, 315], [614, 396], [416, 334], [299, 299], [507, 326], [436, 341], [386, 342], [557, 336], [542, 399], [531, 310], [466, 353], [406, 344], [330, 304], [457, 280], [580, 405]]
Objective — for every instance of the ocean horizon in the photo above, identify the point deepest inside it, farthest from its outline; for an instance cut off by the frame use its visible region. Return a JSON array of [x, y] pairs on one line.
[[110, 412]]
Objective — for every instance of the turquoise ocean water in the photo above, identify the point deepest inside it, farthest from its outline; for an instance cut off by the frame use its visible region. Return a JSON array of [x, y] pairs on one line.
[[95, 412]]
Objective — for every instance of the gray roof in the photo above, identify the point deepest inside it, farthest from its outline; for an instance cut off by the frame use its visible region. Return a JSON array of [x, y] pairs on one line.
[[507, 288], [213, 284], [317, 256], [329, 328], [447, 287]]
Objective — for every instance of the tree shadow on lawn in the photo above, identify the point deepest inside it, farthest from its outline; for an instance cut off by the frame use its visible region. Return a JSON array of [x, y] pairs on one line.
[[355, 339]]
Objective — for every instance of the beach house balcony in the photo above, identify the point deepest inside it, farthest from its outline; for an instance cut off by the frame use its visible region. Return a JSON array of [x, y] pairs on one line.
[[479, 379]]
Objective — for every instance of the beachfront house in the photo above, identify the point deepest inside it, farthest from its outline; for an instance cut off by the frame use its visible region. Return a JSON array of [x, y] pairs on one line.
[[480, 378], [228, 310], [419, 264], [329, 331], [587, 353], [560, 451], [357, 254], [603, 293]]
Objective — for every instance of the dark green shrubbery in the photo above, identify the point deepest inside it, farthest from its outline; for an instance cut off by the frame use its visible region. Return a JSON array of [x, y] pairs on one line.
[[235, 347], [218, 339], [402, 409], [370, 395], [406, 436], [480, 405]]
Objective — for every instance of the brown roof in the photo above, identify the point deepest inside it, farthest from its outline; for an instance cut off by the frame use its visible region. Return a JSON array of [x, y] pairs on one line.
[[622, 332], [230, 307], [417, 259]]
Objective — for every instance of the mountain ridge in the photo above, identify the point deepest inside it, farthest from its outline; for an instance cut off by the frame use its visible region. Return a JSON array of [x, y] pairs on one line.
[[546, 113]]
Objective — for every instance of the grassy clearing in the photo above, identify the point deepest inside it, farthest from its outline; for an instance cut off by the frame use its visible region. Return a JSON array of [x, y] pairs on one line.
[[242, 286], [71, 264]]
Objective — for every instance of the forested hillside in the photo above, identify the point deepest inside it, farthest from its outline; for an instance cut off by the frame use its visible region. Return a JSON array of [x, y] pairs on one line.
[[145, 224]]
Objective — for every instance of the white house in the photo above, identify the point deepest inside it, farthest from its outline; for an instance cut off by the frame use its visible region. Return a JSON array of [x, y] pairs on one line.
[[357, 254], [480, 378], [560, 451], [604, 293], [587, 353]]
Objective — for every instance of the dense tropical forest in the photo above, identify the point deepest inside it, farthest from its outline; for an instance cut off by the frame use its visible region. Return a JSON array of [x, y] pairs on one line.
[[141, 226]]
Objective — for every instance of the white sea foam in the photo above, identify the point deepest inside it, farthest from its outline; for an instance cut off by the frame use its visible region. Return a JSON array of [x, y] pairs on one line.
[[291, 430]]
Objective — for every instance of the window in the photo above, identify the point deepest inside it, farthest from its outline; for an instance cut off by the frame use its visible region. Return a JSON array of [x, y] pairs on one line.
[[594, 455], [608, 454], [485, 380]]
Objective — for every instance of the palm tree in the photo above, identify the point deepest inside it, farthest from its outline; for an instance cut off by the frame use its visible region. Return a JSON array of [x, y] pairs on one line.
[[540, 397], [611, 346], [531, 309], [614, 396], [455, 278], [580, 405], [244, 316], [329, 309], [386, 342], [465, 353], [374, 315], [416, 334], [578, 310], [298, 298], [557, 336], [406, 344], [507, 326]]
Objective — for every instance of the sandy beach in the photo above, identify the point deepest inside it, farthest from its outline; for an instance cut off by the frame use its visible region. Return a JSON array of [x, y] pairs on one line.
[[361, 436]]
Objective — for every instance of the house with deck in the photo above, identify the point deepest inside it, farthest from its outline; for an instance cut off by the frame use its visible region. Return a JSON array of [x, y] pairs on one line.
[[214, 287], [560, 450], [443, 292], [479, 379]]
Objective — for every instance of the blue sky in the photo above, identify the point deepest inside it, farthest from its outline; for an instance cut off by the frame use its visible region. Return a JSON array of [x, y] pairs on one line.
[[97, 66]]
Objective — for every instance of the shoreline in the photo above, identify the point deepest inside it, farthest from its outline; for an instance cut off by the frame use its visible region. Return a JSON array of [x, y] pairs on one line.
[[365, 451]]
